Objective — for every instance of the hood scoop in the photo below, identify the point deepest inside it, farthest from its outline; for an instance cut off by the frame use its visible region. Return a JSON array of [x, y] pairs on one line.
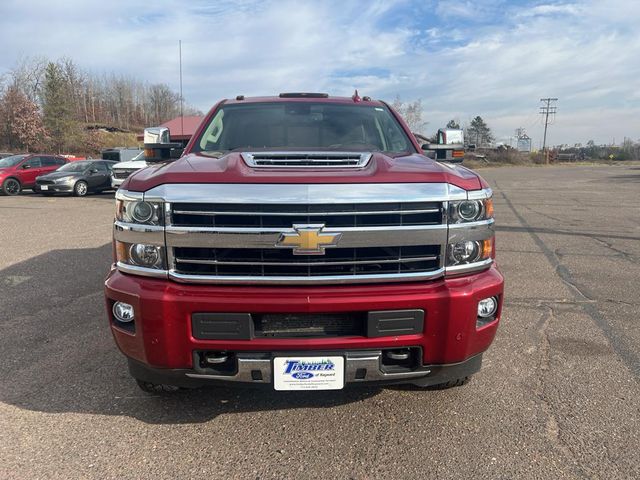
[[306, 159]]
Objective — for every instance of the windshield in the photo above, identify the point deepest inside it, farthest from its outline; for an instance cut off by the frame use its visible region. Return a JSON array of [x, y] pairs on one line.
[[11, 161], [75, 167], [303, 125]]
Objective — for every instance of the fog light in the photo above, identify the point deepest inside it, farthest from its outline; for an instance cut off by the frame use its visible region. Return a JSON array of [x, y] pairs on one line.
[[144, 255], [487, 307], [123, 312]]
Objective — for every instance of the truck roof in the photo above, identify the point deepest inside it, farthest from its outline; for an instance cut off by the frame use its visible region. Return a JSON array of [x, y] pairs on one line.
[[305, 97]]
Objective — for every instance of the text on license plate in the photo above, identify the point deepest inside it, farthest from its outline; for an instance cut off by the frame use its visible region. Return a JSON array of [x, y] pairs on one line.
[[308, 373], [44, 187]]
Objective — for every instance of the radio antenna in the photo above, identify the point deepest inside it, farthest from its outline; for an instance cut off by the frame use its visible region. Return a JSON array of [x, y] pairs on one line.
[[181, 100]]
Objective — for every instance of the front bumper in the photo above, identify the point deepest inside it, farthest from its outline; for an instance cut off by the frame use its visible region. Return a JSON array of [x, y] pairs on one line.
[[356, 362], [161, 336], [55, 187]]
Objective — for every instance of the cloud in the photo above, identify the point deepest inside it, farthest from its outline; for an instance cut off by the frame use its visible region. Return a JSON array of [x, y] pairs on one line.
[[494, 58], [551, 9]]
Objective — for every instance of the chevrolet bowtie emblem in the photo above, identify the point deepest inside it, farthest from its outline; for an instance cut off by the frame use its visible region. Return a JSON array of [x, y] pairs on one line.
[[308, 240]]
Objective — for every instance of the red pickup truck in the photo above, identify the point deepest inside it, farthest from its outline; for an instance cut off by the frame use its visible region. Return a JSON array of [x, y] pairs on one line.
[[303, 242]]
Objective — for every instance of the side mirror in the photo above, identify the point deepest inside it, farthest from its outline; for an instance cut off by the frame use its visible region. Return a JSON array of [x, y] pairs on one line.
[[450, 136], [25, 166], [449, 146], [93, 170], [176, 153], [158, 146], [157, 135]]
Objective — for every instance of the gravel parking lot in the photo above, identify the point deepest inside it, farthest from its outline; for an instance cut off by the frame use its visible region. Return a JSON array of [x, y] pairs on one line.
[[558, 396]]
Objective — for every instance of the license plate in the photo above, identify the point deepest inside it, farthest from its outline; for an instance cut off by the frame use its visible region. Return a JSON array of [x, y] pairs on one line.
[[308, 373], [44, 187]]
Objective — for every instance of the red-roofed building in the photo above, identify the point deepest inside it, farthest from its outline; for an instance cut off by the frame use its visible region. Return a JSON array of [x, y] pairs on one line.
[[181, 129]]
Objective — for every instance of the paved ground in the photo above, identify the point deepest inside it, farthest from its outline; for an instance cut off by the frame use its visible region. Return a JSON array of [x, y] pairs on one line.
[[559, 395]]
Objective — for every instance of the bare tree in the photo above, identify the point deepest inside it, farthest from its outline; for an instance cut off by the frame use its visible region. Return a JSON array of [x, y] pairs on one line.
[[412, 114], [67, 100], [27, 75]]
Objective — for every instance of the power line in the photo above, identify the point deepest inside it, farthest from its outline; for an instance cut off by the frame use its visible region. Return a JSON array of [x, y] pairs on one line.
[[546, 109]]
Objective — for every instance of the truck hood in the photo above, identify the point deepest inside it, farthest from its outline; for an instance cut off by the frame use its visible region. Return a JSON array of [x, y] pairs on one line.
[[231, 168]]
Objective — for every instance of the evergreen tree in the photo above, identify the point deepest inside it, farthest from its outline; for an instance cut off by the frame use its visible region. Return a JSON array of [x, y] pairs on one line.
[[479, 132], [57, 107]]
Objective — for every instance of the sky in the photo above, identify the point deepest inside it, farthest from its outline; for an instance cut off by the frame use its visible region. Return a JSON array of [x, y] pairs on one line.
[[493, 58]]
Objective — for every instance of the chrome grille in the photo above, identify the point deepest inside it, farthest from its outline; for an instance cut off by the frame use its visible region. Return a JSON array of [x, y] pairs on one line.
[[232, 233], [306, 159], [285, 215]]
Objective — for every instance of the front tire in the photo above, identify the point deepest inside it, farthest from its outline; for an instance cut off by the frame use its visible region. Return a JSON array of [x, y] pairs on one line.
[[11, 187], [80, 189]]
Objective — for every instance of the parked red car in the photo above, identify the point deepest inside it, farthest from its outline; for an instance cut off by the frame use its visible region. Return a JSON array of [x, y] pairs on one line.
[[20, 171]]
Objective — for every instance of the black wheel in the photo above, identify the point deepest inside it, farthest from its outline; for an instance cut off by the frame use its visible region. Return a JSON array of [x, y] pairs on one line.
[[156, 387], [81, 188], [11, 186]]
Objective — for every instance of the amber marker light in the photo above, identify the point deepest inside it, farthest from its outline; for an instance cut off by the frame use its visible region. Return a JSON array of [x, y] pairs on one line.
[[122, 253], [488, 208], [487, 248]]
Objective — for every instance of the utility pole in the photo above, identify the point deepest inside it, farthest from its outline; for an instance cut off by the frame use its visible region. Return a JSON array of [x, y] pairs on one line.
[[546, 109]]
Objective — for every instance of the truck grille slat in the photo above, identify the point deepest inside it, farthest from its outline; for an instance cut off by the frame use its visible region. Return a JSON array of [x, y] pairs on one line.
[[296, 263], [279, 262], [283, 216]]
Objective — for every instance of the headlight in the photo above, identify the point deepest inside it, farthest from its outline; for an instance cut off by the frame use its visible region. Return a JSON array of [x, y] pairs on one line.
[[63, 179], [465, 252], [140, 255], [138, 211], [469, 252], [470, 210], [144, 255]]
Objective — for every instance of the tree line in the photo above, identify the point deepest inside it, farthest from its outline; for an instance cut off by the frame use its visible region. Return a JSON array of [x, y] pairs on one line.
[[57, 106]]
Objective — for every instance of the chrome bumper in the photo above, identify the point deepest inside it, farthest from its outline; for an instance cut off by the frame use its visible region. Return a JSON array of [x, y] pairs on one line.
[[356, 363], [361, 368]]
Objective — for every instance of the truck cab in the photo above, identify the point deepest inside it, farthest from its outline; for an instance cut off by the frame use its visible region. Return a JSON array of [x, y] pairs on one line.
[[303, 242]]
